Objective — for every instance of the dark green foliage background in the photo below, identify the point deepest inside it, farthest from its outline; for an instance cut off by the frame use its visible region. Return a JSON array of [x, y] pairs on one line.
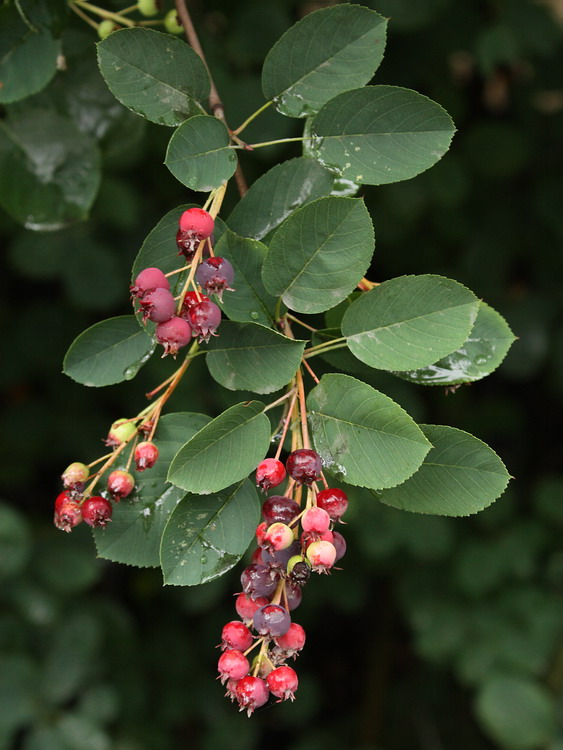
[[409, 644]]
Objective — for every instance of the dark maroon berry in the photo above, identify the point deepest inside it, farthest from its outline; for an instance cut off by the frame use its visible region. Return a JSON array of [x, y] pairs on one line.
[[304, 465], [191, 300], [215, 275], [334, 501], [292, 641], [236, 635], [67, 512], [120, 484], [187, 244], [147, 280], [270, 473], [96, 511], [198, 221], [146, 455], [246, 606], [259, 580], [233, 665], [252, 692], [283, 683], [279, 559], [204, 319], [158, 305], [339, 545], [271, 620], [300, 573], [173, 334], [279, 509], [293, 594]]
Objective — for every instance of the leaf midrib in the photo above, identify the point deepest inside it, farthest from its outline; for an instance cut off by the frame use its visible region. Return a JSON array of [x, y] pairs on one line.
[[410, 320], [373, 429]]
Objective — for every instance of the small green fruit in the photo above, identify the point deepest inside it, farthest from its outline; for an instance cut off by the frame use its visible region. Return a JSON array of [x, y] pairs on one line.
[[148, 7], [105, 28], [172, 22]]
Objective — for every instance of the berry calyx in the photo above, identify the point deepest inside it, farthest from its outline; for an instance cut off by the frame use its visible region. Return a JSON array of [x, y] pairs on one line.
[[321, 555], [96, 511], [304, 465], [172, 22], [282, 682], [270, 473], [158, 305], [67, 512], [198, 221], [271, 620], [146, 455], [173, 334], [233, 665], [315, 520], [215, 275], [278, 536], [120, 484], [147, 280], [251, 693], [279, 508], [121, 431], [204, 318], [334, 501], [75, 475], [236, 635]]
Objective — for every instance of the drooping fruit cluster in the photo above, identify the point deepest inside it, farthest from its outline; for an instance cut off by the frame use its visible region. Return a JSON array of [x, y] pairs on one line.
[[196, 315], [292, 543]]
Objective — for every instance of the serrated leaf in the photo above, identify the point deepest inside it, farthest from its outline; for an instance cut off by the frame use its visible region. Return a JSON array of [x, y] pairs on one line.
[[487, 346], [44, 15], [206, 536], [49, 170], [108, 352], [251, 357], [199, 155], [224, 451], [276, 194], [380, 134], [325, 53], [318, 255], [363, 436], [156, 75], [460, 475], [340, 358], [409, 321], [134, 534], [250, 302]]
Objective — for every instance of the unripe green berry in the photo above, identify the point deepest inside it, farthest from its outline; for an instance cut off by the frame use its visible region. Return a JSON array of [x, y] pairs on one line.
[[148, 8], [76, 473], [172, 22], [105, 28], [120, 432]]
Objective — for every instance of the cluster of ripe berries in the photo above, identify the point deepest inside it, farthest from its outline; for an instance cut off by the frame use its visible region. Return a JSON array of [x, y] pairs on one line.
[[74, 505], [272, 584], [197, 316]]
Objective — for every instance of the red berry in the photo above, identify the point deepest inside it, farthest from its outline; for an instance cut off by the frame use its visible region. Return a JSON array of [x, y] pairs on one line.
[[270, 473], [75, 474], [147, 280], [292, 641], [233, 665], [67, 512], [215, 275], [158, 305], [231, 689], [271, 620], [283, 683], [190, 300], [280, 508], [246, 606], [120, 484], [236, 635], [278, 536], [173, 334], [304, 465], [308, 537], [321, 555], [334, 501], [146, 455], [197, 221], [204, 318], [252, 692], [96, 511], [261, 533]]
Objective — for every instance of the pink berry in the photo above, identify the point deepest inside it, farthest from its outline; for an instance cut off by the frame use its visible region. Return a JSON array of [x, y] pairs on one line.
[[173, 334], [278, 536], [321, 555], [96, 511], [215, 275], [308, 537], [270, 473], [283, 683], [197, 221], [120, 484], [146, 455], [236, 635], [279, 508], [158, 305], [204, 319], [315, 520], [75, 474], [304, 465], [233, 665], [292, 641], [252, 692], [246, 606], [271, 620], [147, 280], [334, 501], [67, 512]]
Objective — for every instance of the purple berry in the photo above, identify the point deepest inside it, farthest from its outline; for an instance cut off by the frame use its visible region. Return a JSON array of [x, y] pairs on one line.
[[158, 305], [258, 580], [271, 620], [215, 275], [147, 280], [173, 334], [294, 595], [278, 508], [339, 545], [204, 318], [304, 465]]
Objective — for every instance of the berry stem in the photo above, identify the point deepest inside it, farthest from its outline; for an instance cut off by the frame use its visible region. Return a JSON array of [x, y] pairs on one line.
[[99, 460], [170, 390], [249, 119], [309, 369], [132, 452], [84, 16], [327, 346], [108, 463], [300, 322], [280, 400], [130, 9], [302, 409], [298, 139], [256, 643], [104, 13], [178, 270], [324, 480], [189, 280], [287, 420]]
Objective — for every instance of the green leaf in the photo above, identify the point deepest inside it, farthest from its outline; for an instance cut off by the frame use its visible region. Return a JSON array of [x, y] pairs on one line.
[[250, 357], [250, 302], [318, 255], [460, 475], [409, 321], [199, 155], [156, 75], [49, 170], [487, 346], [108, 352], [224, 451], [362, 436], [28, 58], [380, 134], [44, 15], [135, 531], [206, 536], [517, 712], [276, 194], [323, 54]]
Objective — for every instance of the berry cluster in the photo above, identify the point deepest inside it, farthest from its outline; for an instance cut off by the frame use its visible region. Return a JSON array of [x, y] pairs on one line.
[[292, 543], [193, 313]]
